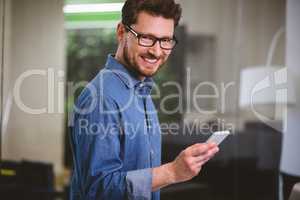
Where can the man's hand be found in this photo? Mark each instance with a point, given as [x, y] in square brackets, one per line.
[189, 162]
[187, 165]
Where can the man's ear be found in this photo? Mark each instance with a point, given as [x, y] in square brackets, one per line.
[120, 32]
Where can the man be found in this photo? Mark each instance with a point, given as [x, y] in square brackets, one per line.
[116, 138]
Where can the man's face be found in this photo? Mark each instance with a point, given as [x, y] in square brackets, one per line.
[145, 61]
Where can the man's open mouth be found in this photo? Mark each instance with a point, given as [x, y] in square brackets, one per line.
[150, 60]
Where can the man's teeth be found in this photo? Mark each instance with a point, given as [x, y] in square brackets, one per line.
[152, 61]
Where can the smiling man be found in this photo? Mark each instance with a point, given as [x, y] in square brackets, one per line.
[149, 44]
[116, 138]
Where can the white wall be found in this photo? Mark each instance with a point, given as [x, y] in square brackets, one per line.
[243, 30]
[201, 16]
[7, 68]
[290, 162]
[37, 42]
[1, 29]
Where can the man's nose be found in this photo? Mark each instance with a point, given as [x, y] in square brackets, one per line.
[155, 49]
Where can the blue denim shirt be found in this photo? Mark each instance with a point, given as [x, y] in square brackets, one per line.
[116, 137]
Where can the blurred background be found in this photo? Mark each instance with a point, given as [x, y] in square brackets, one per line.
[228, 52]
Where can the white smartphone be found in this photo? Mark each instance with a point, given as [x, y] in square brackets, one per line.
[218, 137]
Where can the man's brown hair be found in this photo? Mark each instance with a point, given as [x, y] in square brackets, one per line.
[165, 8]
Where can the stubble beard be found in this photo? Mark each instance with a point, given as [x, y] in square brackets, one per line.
[132, 66]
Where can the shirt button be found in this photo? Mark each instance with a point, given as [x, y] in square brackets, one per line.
[152, 152]
[142, 85]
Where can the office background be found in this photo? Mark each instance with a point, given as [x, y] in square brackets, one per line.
[218, 41]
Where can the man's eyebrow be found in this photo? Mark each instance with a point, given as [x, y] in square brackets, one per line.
[163, 37]
[152, 35]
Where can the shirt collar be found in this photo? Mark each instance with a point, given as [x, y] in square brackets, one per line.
[126, 77]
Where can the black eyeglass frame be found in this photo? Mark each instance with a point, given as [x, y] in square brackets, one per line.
[155, 39]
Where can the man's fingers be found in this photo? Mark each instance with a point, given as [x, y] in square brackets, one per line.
[199, 159]
[198, 149]
[208, 155]
[200, 164]
[201, 148]
[203, 158]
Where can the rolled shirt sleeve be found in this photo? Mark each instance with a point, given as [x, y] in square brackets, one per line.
[139, 183]
[97, 148]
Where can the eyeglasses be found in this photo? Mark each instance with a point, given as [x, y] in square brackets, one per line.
[149, 40]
